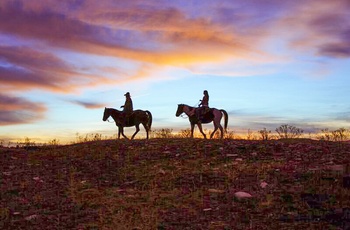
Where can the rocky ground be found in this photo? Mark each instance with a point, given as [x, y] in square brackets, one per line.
[177, 184]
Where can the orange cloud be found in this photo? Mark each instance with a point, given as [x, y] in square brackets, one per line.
[152, 36]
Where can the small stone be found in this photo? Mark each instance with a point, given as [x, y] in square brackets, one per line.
[161, 171]
[38, 179]
[31, 217]
[263, 184]
[242, 195]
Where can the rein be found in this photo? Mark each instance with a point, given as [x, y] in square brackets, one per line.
[184, 116]
[188, 110]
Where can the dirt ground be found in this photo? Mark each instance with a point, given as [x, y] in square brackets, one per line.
[176, 184]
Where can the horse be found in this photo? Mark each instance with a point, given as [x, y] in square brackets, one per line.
[136, 118]
[213, 115]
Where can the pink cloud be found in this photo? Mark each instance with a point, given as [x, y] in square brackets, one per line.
[16, 110]
[25, 68]
[157, 35]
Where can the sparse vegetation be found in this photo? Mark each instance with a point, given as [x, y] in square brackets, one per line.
[230, 134]
[87, 137]
[162, 133]
[340, 134]
[54, 142]
[283, 132]
[184, 133]
[265, 134]
[288, 131]
[250, 135]
[26, 143]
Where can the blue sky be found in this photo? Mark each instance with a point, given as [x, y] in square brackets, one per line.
[266, 62]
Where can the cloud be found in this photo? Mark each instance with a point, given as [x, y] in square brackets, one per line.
[88, 104]
[23, 68]
[153, 36]
[16, 110]
[340, 50]
[159, 36]
[320, 27]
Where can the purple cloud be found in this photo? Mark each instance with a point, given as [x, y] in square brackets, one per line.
[16, 110]
[88, 104]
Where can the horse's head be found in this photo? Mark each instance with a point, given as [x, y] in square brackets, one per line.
[180, 109]
[106, 114]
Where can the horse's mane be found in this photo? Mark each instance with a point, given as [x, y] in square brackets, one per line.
[186, 105]
[116, 110]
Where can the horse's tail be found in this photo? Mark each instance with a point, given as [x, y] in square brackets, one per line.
[226, 118]
[149, 123]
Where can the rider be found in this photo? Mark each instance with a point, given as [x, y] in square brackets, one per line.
[203, 105]
[127, 107]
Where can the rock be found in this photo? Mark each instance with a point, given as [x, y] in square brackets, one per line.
[242, 195]
[31, 217]
[263, 184]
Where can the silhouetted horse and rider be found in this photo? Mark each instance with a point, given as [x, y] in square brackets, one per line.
[196, 115]
[203, 115]
[129, 117]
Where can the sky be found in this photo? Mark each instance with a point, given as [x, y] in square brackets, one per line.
[266, 62]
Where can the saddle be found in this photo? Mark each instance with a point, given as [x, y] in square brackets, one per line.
[127, 116]
[204, 113]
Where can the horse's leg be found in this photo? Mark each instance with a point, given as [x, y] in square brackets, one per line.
[201, 130]
[137, 130]
[118, 132]
[222, 131]
[216, 121]
[192, 129]
[215, 128]
[122, 132]
[145, 125]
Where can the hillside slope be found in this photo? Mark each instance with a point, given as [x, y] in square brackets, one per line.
[176, 184]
